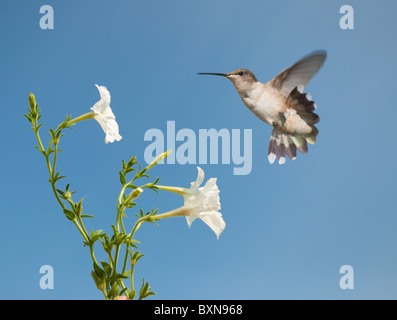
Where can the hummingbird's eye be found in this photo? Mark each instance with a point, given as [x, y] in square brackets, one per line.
[240, 73]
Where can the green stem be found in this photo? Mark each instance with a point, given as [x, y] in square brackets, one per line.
[93, 255]
[121, 222]
[51, 141]
[54, 162]
[116, 258]
[52, 174]
[130, 235]
[76, 223]
[136, 227]
[111, 260]
[54, 190]
[132, 277]
[121, 206]
[51, 171]
[123, 190]
[83, 227]
[45, 154]
[127, 251]
[104, 293]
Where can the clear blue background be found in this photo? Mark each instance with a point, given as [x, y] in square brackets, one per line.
[289, 228]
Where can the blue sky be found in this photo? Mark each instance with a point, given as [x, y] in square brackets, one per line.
[288, 228]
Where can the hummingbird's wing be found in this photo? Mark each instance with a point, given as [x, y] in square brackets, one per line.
[299, 74]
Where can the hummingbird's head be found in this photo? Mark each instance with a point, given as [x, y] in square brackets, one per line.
[242, 79]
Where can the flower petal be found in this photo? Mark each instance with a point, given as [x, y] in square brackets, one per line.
[190, 219]
[107, 120]
[202, 203]
[214, 220]
[211, 192]
[199, 180]
[102, 104]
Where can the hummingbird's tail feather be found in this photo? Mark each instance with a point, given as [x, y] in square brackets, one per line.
[297, 129]
[283, 144]
[275, 150]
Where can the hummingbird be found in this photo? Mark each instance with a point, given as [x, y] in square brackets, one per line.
[282, 104]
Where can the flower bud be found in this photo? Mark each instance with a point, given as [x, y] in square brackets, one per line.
[134, 194]
[100, 283]
[160, 158]
[32, 101]
[67, 195]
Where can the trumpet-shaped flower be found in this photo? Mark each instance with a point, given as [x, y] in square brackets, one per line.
[200, 202]
[102, 113]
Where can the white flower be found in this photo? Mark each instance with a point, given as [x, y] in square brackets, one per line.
[104, 115]
[204, 203]
[200, 202]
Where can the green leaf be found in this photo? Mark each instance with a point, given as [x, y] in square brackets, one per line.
[107, 244]
[86, 216]
[126, 274]
[96, 233]
[100, 283]
[132, 294]
[69, 214]
[39, 126]
[130, 205]
[122, 291]
[78, 207]
[43, 152]
[98, 271]
[135, 257]
[114, 291]
[52, 133]
[145, 286]
[122, 178]
[106, 267]
[28, 117]
[57, 177]
[145, 290]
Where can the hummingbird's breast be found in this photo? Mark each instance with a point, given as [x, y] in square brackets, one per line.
[265, 102]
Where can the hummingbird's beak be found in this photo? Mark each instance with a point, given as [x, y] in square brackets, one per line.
[216, 74]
